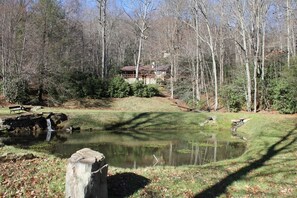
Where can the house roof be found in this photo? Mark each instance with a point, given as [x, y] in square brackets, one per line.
[146, 68]
[128, 68]
[163, 67]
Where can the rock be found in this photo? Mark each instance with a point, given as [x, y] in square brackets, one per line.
[72, 129]
[58, 118]
[235, 125]
[209, 120]
[32, 125]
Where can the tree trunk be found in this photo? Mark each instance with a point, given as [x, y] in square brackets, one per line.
[255, 87]
[138, 56]
[86, 175]
[103, 36]
[43, 61]
[103, 40]
[256, 55]
[214, 68]
[263, 51]
[171, 78]
[3, 62]
[288, 32]
[247, 68]
[197, 61]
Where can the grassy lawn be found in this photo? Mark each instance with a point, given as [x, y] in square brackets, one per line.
[268, 168]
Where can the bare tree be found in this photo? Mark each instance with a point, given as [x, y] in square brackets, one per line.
[171, 29]
[291, 37]
[209, 40]
[102, 4]
[196, 27]
[288, 30]
[139, 12]
[258, 11]
[13, 38]
[240, 9]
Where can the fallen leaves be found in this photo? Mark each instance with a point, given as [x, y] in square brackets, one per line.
[31, 177]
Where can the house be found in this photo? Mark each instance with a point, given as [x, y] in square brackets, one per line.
[149, 74]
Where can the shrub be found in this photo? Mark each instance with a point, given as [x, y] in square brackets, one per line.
[285, 97]
[152, 90]
[119, 88]
[81, 85]
[232, 97]
[17, 90]
[138, 88]
[75, 84]
[94, 87]
[58, 89]
[141, 90]
[284, 92]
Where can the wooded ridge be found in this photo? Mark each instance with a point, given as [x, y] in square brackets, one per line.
[237, 55]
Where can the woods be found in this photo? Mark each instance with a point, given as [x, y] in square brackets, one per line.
[235, 54]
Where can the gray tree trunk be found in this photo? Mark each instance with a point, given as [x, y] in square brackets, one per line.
[247, 69]
[288, 32]
[139, 56]
[103, 37]
[102, 22]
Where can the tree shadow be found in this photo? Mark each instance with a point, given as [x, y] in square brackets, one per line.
[137, 121]
[143, 126]
[105, 103]
[89, 103]
[125, 184]
[220, 188]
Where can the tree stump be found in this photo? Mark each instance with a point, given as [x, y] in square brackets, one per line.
[86, 175]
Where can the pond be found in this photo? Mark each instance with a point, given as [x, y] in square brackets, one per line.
[132, 149]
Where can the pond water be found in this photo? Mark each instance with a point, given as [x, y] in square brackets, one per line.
[132, 149]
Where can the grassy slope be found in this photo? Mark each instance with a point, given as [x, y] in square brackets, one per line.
[267, 169]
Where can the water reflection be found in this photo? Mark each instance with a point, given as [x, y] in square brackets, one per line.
[142, 149]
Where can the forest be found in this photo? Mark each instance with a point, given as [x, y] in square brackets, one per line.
[231, 54]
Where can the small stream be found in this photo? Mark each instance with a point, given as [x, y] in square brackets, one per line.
[132, 149]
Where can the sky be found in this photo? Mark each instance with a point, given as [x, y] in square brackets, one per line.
[118, 3]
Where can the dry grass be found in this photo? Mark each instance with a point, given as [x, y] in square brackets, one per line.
[129, 104]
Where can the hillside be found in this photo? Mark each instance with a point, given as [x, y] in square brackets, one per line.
[129, 104]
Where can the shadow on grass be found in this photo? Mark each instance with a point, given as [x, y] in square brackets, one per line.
[106, 103]
[220, 188]
[125, 184]
[135, 122]
[140, 124]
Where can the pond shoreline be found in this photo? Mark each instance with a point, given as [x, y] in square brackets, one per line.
[271, 145]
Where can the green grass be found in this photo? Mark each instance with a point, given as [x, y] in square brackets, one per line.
[98, 119]
[268, 168]
[129, 104]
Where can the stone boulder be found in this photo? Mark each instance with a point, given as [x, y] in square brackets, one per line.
[32, 125]
[57, 118]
